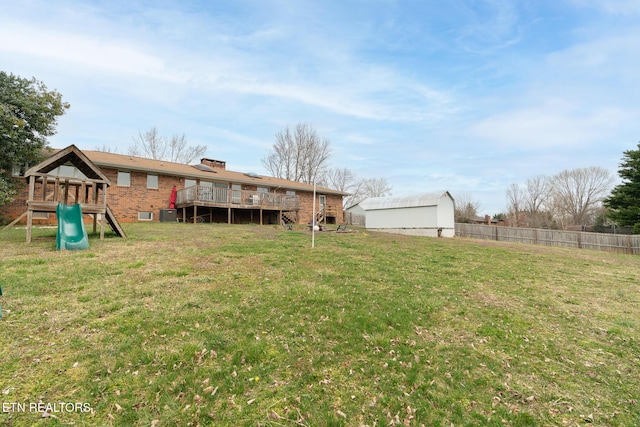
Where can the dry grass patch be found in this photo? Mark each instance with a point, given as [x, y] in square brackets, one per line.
[247, 325]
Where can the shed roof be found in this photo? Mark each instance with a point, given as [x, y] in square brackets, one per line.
[420, 200]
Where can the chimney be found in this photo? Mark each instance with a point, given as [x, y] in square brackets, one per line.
[487, 219]
[216, 164]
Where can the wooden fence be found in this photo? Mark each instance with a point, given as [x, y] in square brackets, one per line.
[623, 243]
[354, 219]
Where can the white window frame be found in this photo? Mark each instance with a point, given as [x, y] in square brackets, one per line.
[142, 214]
[19, 170]
[68, 171]
[157, 183]
[236, 193]
[221, 192]
[121, 175]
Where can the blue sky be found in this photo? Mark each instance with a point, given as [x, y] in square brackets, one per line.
[468, 96]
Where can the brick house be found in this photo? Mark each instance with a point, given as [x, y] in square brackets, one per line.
[141, 190]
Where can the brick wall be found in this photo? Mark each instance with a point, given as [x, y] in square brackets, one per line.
[126, 202]
[306, 206]
[16, 208]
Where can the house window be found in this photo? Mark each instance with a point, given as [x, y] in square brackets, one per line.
[221, 191]
[64, 170]
[145, 216]
[152, 181]
[69, 171]
[124, 178]
[291, 193]
[19, 170]
[236, 193]
[189, 183]
[205, 191]
[263, 190]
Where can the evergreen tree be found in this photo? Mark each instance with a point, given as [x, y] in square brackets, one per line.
[624, 201]
[28, 115]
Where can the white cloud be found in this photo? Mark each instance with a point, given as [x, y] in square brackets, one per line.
[492, 25]
[111, 56]
[613, 7]
[541, 129]
[379, 93]
[613, 54]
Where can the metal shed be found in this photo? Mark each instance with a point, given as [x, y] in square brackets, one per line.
[429, 214]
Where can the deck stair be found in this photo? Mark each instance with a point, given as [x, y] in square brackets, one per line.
[320, 216]
[113, 223]
[290, 217]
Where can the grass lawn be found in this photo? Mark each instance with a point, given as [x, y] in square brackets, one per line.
[211, 324]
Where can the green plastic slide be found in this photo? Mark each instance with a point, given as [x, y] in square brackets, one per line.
[71, 232]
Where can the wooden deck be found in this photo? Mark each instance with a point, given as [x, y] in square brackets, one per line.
[190, 199]
[201, 195]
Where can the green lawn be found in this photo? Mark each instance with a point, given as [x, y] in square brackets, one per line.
[210, 324]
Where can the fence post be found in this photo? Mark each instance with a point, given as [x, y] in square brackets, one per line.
[579, 240]
[496, 233]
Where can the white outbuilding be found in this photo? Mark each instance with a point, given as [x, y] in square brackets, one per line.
[429, 214]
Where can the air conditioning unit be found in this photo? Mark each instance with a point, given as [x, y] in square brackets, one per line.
[168, 215]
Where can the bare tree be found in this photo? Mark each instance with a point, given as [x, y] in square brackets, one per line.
[579, 193]
[299, 155]
[466, 208]
[358, 189]
[356, 194]
[515, 204]
[152, 145]
[537, 193]
[340, 179]
[180, 152]
[149, 144]
[376, 187]
[107, 149]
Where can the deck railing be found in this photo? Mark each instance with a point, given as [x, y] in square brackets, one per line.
[45, 189]
[224, 197]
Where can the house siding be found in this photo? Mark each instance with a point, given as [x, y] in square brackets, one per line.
[421, 215]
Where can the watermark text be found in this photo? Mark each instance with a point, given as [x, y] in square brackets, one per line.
[51, 408]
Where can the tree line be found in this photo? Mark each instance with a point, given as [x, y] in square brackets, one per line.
[575, 197]
[578, 197]
[572, 197]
